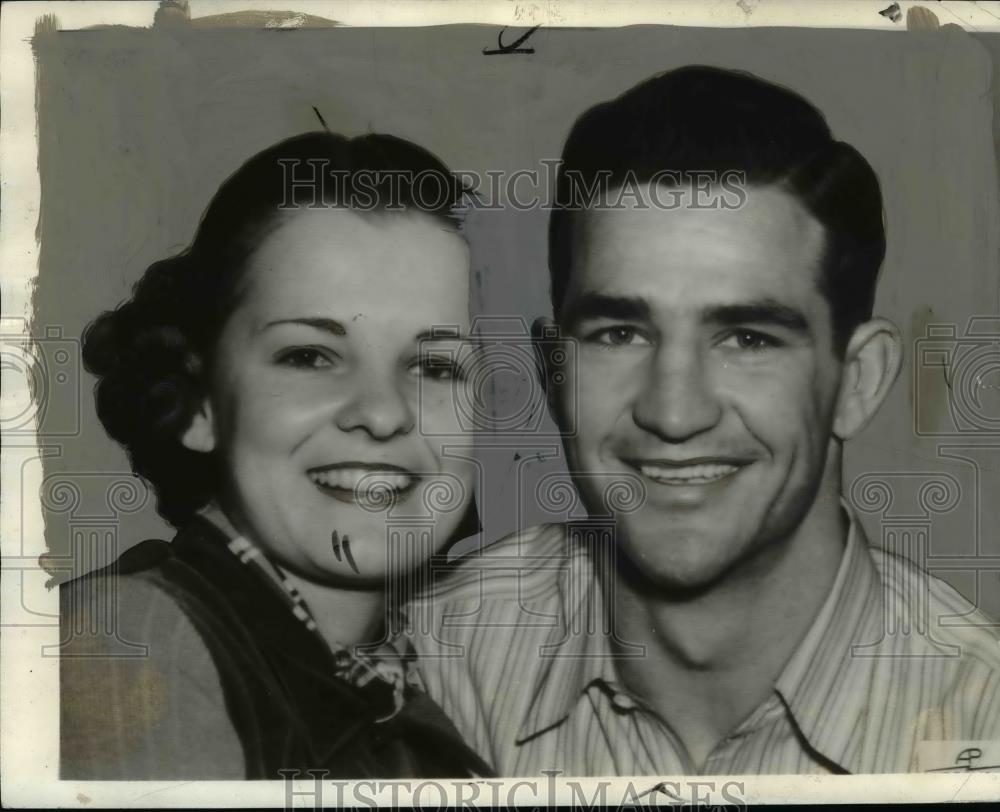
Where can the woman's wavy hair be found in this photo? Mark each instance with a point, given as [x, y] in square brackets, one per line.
[151, 355]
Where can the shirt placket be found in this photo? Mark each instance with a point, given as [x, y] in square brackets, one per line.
[731, 751]
[659, 750]
[648, 746]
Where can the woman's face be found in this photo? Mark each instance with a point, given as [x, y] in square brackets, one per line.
[329, 393]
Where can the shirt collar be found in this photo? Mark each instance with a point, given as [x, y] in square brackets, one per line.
[823, 685]
[570, 659]
[254, 557]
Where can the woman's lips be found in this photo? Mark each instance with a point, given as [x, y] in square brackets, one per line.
[375, 485]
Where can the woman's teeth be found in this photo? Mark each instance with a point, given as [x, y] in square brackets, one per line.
[361, 481]
[701, 474]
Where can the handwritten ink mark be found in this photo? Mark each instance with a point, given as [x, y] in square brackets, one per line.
[661, 787]
[984, 768]
[965, 763]
[335, 540]
[322, 120]
[945, 373]
[968, 756]
[892, 12]
[347, 553]
[513, 47]
[949, 376]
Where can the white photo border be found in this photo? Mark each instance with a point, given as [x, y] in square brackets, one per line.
[29, 682]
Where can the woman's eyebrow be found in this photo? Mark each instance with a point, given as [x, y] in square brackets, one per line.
[445, 332]
[318, 322]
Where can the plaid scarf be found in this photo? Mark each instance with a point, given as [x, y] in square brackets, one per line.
[384, 671]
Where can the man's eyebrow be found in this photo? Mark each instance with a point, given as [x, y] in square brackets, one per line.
[319, 322]
[601, 305]
[765, 311]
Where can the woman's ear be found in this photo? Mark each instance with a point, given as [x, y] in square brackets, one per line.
[872, 362]
[200, 434]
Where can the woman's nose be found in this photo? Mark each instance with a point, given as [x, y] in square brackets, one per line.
[378, 407]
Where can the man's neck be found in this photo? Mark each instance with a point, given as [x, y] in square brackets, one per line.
[712, 659]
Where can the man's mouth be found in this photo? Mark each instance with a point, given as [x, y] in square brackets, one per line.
[687, 472]
[373, 483]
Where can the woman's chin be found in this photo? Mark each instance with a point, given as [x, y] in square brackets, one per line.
[369, 563]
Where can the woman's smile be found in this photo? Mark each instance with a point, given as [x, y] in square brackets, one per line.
[370, 484]
[319, 372]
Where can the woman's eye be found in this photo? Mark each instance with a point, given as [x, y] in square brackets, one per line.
[304, 358]
[438, 368]
[621, 335]
[750, 340]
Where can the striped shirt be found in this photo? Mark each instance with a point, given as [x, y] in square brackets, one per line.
[897, 673]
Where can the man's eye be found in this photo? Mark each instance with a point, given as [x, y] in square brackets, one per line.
[620, 335]
[303, 358]
[437, 368]
[750, 340]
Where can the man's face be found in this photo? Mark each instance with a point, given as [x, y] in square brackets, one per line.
[705, 366]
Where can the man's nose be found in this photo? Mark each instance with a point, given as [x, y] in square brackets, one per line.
[378, 406]
[676, 401]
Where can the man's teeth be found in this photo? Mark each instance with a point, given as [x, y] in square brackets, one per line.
[688, 474]
[352, 478]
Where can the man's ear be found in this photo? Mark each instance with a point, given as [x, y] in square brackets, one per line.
[200, 434]
[872, 362]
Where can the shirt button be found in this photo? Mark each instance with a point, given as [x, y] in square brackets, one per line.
[622, 702]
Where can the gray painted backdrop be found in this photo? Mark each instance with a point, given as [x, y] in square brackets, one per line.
[137, 128]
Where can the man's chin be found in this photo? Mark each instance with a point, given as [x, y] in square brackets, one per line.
[675, 583]
[681, 562]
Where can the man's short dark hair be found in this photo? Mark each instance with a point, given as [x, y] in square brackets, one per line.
[697, 119]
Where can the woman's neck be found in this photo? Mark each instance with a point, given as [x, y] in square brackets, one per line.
[343, 616]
